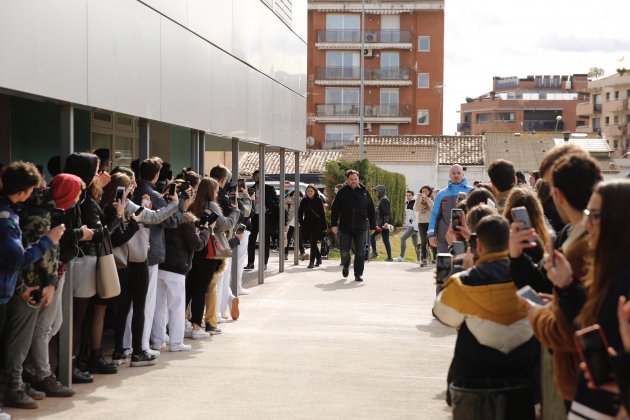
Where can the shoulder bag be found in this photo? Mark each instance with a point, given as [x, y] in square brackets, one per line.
[107, 282]
[218, 246]
[139, 245]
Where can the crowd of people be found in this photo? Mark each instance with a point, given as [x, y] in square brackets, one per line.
[172, 239]
[564, 237]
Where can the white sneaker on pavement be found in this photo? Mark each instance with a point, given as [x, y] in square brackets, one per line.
[153, 352]
[181, 347]
[398, 259]
[244, 292]
[199, 335]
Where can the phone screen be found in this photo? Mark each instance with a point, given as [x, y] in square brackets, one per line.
[120, 193]
[472, 242]
[443, 266]
[241, 184]
[56, 217]
[138, 211]
[519, 214]
[172, 189]
[456, 218]
[530, 294]
[595, 354]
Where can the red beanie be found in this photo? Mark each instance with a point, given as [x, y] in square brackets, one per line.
[65, 188]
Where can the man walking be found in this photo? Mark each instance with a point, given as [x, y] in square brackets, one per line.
[383, 217]
[412, 229]
[352, 214]
[444, 201]
[271, 209]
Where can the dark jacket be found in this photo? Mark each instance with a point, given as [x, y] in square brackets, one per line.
[181, 243]
[34, 222]
[272, 208]
[312, 216]
[383, 211]
[157, 250]
[494, 339]
[353, 209]
[124, 231]
[13, 256]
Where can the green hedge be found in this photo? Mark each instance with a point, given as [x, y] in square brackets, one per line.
[370, 175]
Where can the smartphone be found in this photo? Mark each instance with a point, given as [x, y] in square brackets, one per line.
[472, 243]
[519, 214]
[461, 196]
[240, 184]
[233, 199]
[526, 292]
[138, 211]
[459, 247]
[443, 266]
[35, 298]
[172, 189]
[56, 217]
[120, 193]
[593, 348]
[457, 215]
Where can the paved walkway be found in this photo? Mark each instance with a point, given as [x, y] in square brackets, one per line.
[309, 345]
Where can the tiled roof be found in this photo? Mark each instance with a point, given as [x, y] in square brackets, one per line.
[465, 150]
[593, 145]
[393, 153]
[311, 162]
[526, 150]
[608, 165]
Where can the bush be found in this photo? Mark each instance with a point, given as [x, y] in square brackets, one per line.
[370, 175]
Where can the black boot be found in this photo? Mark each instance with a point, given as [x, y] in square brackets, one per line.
[98, 364]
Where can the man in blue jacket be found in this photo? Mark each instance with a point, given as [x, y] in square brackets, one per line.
[444, 201]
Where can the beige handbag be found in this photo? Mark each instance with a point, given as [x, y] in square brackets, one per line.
[107, 282]
[139, 245]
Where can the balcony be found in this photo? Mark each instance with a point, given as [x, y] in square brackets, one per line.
[351, 76]
[373, 113]
[584, 109]
[351, 39]
[615, 106]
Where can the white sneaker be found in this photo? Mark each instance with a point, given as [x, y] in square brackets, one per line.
[181, 347]
[199, 335]
[153, 352]
[188, 329]
[244, 292]
[398, 259]
[158, 347]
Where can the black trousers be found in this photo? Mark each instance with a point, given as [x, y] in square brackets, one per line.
[289, 236]
[315, 253]
[197, 282]
[134, 283]
[251, 246]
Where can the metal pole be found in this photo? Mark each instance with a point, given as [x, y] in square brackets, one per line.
[144, 138]
[296, 204]
[65, 333]
[281, 221]
[235, 176]
[261, 214]
[201, 144]
[362, 88]
[194, 150]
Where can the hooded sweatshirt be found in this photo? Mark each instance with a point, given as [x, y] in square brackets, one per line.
[383, 212]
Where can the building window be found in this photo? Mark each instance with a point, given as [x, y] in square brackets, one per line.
[423, 117]
[340, 135]
[388, 130]
[342, 65]
[483, 118]
[596, 124]
[423, 80]
[424, 43]
[616, 119]
[342, 101]
[608, 96]
[506, 116]
[389, 103]
[616, 94]
[342, 28]
[607, 120]
[390, 65]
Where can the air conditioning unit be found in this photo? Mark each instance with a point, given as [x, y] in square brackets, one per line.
[369, 111]
[367, 126]
[370, 37]
[367, 52]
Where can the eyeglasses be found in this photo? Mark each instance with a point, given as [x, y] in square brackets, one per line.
[592, 216]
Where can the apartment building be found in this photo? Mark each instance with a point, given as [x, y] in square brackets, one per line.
[403, 73]
[607, 112]
[533, 103]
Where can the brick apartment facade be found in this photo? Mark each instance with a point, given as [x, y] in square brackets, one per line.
[533, 103]
[403, 70]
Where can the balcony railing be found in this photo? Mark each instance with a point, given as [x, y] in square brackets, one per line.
[354, 73]
[352, 110]
[371, 37]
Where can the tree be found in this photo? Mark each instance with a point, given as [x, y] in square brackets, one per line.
[595, 72]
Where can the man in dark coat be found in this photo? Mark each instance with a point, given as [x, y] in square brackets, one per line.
[271, 208]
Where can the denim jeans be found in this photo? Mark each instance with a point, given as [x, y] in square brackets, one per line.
[388, 247]
[359, 237]
[403, 242]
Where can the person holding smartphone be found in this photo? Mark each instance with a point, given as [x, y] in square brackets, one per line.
[423, 208]
[608, 235]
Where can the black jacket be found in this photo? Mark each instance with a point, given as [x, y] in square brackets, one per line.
[181, 243]
[312, 216]
[353, 209]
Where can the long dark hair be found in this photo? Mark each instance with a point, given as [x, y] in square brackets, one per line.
[315, 192]
[612, 250]
[526, 198]
[118, 179]
[207, 191]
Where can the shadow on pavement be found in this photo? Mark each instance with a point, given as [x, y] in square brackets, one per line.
[342, 284]
[437, 329]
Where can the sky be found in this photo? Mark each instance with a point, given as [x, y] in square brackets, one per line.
[487, 38]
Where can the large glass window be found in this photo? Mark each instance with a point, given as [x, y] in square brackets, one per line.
[389, 102]
[424, 43]
[116, 132]
[342, 22]
[506, 116]
[339, 135]
[423, 117]
[483, 118]
[390, 63]
[342, 64]
[342, 101]
[388, 130]
[423, 80]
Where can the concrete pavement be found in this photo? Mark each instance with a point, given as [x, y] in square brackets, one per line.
[309, 345]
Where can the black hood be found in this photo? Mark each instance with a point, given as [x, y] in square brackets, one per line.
[82, 165]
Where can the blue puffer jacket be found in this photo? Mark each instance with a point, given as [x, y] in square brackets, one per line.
[444, 201]
[13, 257]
